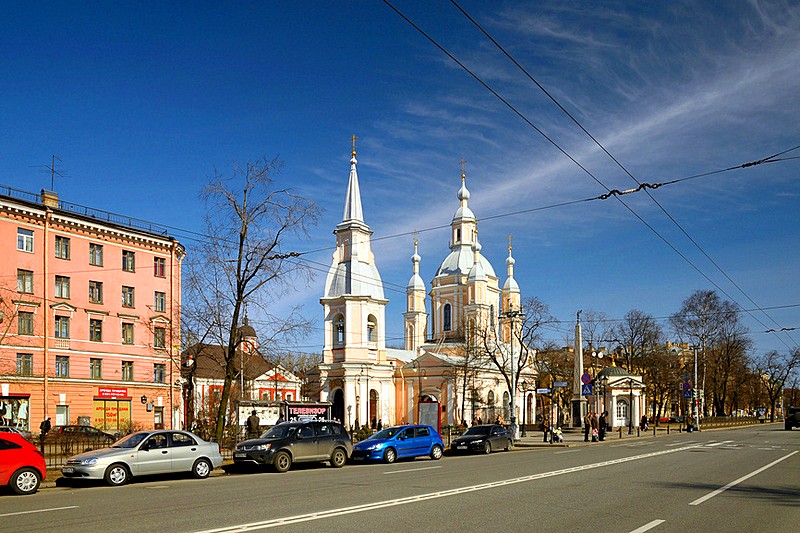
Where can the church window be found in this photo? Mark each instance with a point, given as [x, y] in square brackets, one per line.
[448, 320]
[338, 330]
[458, 235]
[491, 315]
[372, 329]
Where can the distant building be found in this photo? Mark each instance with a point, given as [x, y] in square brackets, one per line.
[89, 316]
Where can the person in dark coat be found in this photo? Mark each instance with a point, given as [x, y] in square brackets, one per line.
[45, 428]
[253, 424]
[601, 433]
[587, 426]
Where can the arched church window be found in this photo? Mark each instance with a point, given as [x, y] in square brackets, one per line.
[372, 329]
[447, 317]
[458, 235]
[490, 398]
[338, 330]
[491, 315]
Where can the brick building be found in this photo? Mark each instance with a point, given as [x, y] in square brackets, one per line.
[89, 316]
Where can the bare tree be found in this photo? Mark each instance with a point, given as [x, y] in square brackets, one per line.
[639, 335]
[249, 220]
[774, 369]
[470, 362]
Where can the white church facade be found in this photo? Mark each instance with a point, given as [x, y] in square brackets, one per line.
[430, 380]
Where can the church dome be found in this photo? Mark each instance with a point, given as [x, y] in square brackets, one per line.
[460, 261]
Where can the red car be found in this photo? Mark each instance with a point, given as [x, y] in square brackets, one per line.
[22, 465]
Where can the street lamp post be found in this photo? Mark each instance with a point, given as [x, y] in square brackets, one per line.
[604, 385]
[512, 314]
[524, 405]
[365, 372]
[630, 406]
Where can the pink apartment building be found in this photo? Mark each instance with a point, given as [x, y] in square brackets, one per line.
[89, 317]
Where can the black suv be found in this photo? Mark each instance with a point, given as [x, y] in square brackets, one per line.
[792, 418]
[297, 442]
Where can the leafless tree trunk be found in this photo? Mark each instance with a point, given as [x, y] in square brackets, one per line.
[249, 221]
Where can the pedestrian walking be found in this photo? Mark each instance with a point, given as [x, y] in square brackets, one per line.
[587, 426]
[594, 423]
[603, 426]
[45, 428]
[253, 424]
[545, 429]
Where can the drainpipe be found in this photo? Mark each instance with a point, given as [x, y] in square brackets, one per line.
[45, 307]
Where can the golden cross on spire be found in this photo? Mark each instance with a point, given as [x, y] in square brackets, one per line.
[416, 238]
[462, 164]
[510, 239]
[353, 139]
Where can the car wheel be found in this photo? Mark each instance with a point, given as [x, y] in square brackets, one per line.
[201, 468]
[509, 445]
[25, 481]
[338, 458]
[282, 462]
[116, 475]
[487, 447]
[436, 452]
[389, 456]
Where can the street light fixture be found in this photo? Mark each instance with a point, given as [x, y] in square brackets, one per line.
[524, 405]
[512, 314]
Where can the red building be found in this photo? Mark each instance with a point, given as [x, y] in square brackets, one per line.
[89, 316]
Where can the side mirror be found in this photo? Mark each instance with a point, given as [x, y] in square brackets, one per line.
[145, 447]
[299, 436]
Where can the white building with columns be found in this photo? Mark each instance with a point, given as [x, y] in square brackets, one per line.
[433, 379]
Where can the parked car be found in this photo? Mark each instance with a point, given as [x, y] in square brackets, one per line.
[483, 439]
[792, 419]
[87, 433]
[144, 453]
[22, 465]
[12, 429]
[297, 442]
[400, 442]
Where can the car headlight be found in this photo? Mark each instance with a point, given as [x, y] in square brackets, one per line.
[89, 462]
[261, 447]
[373, 447]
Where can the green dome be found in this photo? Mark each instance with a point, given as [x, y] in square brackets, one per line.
[612, 371]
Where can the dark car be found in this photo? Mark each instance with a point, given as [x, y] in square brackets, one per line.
[400, 442]
[21, 464]
[297, 442]
[484, 439]
[77, 438]
[792, 419]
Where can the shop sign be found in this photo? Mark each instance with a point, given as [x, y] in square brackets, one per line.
[112, 393]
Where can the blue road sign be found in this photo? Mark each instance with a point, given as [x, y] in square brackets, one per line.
[544, 390]
[558, 384]
[687, 394]
[586, 378]
[586, 389]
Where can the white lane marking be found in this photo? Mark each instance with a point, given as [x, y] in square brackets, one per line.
[40, 510]
[682, 443]
[276, 522]
[712, 444]
[566, 451]
[411, 470]
[649, 525]
[710, 495]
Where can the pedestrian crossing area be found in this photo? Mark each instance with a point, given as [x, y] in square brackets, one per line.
[700, 445]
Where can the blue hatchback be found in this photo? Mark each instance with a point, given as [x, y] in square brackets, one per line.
[400, 442]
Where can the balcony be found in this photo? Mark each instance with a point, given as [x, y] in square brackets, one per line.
[62, 344]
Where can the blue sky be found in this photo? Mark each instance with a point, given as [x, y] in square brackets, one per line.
[143, 102]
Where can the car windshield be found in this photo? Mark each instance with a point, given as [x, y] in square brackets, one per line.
[130, 441]
[387, 433]
[478, 430]
[280, 431]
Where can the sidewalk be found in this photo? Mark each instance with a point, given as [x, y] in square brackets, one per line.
[574, 437]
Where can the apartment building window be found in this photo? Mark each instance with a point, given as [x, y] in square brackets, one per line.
[127, 371]
[159, 267]
[160, 302]
[25, 281]
[62, 287]
[127, 296]
[62, 247]
[96, 292]
[62, 366]
[25, 240]
[25, 323]
[95, 368]
[24, 364]
[96, 254]
[62, 327]
[128, 261]
[159, 337]
[127, 333]
[95, 330]
[159, 373]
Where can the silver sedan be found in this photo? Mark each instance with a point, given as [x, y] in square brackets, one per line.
[144, 453]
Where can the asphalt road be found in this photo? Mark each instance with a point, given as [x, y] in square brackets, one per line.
[745, 479]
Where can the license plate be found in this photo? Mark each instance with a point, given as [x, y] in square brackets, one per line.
[67, 470]
[358, 458]
[461, 447]
[240, 455]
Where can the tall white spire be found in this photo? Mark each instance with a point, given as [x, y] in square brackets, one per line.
[352, 203]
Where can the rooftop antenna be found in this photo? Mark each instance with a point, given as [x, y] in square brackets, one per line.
[52, 170]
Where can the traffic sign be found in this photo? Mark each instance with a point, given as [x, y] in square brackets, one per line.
[687, 394]
[586, 378]
[687, 385]
[558, 384]
[586, 389]
[544, 390]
